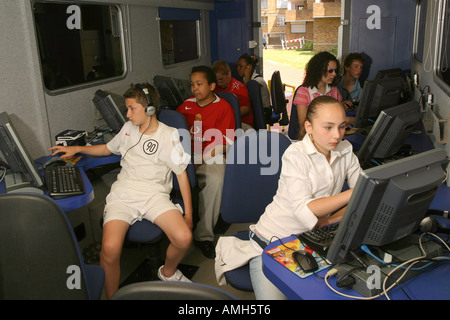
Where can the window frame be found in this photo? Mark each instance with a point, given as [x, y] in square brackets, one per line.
[117, 25]
[444, 8]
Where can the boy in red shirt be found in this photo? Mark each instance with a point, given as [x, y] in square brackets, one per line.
[225, 82]
[211, 124]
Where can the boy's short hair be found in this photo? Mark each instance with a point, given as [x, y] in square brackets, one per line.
[354, 56]
[210, 75]
[137, 93]
[221, 67]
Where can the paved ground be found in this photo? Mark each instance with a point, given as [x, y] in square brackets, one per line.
[289, 76]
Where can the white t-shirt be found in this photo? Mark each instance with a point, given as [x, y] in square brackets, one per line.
[147, 160]
[305, 176]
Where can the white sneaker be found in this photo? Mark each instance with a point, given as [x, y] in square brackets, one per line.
[177, 276]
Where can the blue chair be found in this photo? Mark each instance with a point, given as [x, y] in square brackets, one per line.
[39, 254]
[294, 128]
[279, 101]
[250, 184]
[233, 100]
[254, 91]
[144, 231]
[170, 290]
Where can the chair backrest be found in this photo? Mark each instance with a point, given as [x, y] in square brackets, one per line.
[254, 91]
[277, 93]
[170, 290]
[175, 119]
[39, 254]
[233, 100]
[294, 127]
[251, 175]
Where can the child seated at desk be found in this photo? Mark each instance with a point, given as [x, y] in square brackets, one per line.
[143, 186]
[312, 175]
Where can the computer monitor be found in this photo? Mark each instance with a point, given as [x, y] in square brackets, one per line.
[376, 96]
[17, 157]
[112, 108]
[172, 92]
[388, 203]
[388, 73]
[389, 132]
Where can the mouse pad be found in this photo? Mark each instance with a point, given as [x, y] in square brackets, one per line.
[283, 255]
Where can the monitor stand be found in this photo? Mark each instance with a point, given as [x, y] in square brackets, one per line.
[367, 282]
[16, 182]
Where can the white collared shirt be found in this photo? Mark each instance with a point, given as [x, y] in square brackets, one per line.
[306, 175]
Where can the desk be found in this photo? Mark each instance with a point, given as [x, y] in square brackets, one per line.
[431, 284]
[85, 163]
[419, 140]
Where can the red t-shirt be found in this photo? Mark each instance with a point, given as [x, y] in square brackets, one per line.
[208, 125]
[241, 92]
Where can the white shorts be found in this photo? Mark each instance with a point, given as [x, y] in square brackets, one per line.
[132, 208]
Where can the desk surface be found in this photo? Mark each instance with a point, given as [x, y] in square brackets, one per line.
[431, 284]
[86, 163]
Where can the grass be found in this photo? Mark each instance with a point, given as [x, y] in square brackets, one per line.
[289, 58]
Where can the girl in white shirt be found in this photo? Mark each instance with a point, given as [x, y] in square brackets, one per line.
[309, 193]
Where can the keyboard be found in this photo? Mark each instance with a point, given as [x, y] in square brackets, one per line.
[319, 239]
[63, 181]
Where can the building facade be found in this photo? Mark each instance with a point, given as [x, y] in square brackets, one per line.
[314, 20]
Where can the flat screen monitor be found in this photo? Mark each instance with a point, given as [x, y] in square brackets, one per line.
[17, 156]
[388, 73]
[376, 96]
[172, 92]
[112, 108]
[388, 203]
[389, 133]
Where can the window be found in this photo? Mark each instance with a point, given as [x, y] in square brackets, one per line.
[179, 30]
[264, 21]
[298, 28]
[281, 20]
[78, 43]
[421, 17]
[443, 71]
[282, 4]
[264, 4]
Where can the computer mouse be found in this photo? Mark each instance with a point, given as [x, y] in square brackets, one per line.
[54, 162]
[305, 260]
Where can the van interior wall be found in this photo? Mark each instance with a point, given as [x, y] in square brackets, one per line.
[37, 115]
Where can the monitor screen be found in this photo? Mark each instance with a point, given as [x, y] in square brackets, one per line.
[388, 73]
[388, 203]
[172, 92]
[112, 108]
[16, 155]
[376, 96]
[389, 132]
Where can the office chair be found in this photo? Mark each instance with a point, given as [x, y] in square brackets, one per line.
[251, 180]
[146, 232]
[233, 100]
[279, 101]
[294, 128]
[39, 254]
[254, 90]
[170, 290]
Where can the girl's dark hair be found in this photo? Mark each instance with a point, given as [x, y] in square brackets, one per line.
[315, 103]
[253, 61]
[209, 73]
[317, 67]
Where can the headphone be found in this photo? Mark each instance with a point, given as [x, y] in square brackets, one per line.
[430, 224]
[149, 109]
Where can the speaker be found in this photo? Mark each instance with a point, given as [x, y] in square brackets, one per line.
[149, 109]
[430, 224]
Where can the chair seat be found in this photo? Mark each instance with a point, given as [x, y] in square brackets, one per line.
[144, 231]
[240, 278]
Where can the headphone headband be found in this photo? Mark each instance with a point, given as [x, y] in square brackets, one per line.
[149, 109]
